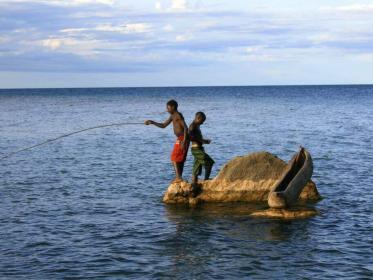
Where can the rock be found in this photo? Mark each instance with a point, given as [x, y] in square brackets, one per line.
[285, 213]
[246, 178]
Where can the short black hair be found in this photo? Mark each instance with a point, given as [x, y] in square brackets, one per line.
[201, 114]
[172, 103]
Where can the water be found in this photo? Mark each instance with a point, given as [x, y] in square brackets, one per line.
[89, 206]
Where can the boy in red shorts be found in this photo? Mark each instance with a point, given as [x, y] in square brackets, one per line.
[179, 153]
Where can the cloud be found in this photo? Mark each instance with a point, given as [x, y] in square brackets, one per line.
[85, 48]
[63, 2]
[126, 28]
[258, 53]
[179, 4]
[44, 62]
[173, 33]
[356, 8]
[184, 37]
[365, 57]
[53, 44]
[168, 28]
[158, 6]
[4, 39]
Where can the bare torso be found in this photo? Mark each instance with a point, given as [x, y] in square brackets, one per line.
[178, 123]
[195, 135]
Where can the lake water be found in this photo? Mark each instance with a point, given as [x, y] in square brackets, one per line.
[89, 206]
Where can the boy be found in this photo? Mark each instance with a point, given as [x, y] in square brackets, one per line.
[179, 153]
[200, 157]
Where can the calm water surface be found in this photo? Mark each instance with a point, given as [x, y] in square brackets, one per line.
[89, 206]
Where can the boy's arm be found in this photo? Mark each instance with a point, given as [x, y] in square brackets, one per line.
[206, 141]
[190, 129]
[186, 134]
[160, 125]
[180, 118]
[203, 140]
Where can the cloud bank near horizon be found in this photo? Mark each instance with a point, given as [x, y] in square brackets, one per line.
[190, 41]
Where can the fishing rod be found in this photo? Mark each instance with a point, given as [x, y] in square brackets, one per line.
[68, 134]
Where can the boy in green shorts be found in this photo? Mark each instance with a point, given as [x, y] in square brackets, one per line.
[198, 152]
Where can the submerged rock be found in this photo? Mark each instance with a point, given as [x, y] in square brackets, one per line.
[285, 213]
[247, 178]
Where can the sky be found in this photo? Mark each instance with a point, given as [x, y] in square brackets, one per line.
[118, 43]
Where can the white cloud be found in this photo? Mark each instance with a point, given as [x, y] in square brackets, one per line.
[184, 37]
[179, 4]
[258, 53]
[322, 38]
[85, 2]
[53, 44]
[158, 6]
[125, 28]
[64, 2]
[4, 39]
[168, 28]
[92, 14]
[251, 50]
[122, 28]
[365, 57]
[356, 8]
[71, 45]
[74, 30]
[346, 38]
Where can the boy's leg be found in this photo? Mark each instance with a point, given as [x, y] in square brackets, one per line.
[177, 171]
[208, 169]
[209, 162]
[180, 166]
[197, 167]
[197, 170]
[178, 157]
[194, 179]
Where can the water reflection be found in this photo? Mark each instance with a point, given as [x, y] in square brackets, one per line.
[206, 234]
[233, 221]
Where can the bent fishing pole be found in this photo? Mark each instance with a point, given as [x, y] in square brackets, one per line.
[68, 134]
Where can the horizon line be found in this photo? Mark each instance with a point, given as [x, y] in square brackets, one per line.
[118, 87]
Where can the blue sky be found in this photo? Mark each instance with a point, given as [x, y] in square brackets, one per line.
[92, 43]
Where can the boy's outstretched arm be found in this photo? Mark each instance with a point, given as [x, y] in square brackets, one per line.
[160, 125]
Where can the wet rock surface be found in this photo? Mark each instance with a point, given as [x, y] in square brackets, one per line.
[246, 178]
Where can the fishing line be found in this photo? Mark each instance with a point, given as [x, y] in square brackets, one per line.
[69, 134]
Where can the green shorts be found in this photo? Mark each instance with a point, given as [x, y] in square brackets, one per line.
[201, 159]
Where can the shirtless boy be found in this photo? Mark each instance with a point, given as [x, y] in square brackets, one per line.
[179, 153]
[200, 157]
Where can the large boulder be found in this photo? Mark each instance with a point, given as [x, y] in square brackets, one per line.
[246, 178]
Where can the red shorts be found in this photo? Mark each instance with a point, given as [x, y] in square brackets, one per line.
[178, 154]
